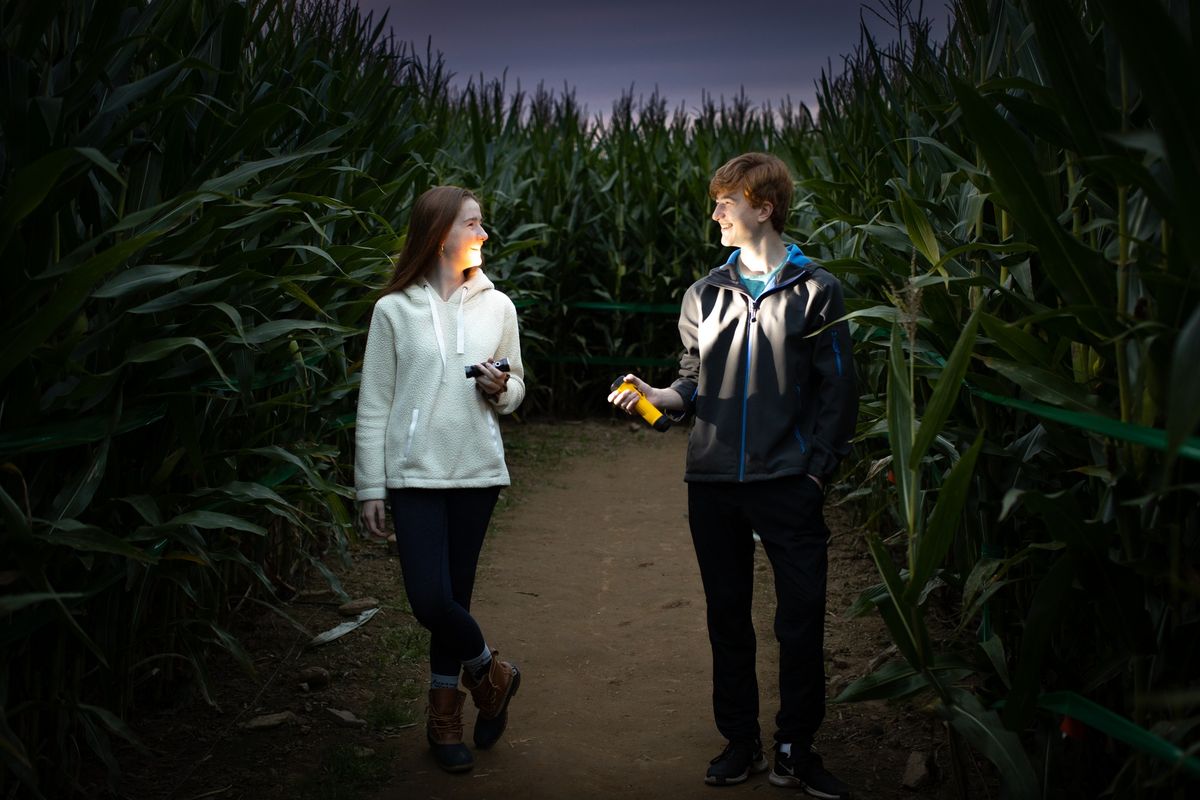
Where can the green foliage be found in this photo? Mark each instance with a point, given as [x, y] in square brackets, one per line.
[1010, 192]
[198, 200]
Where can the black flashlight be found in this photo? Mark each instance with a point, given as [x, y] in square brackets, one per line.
[473, 370]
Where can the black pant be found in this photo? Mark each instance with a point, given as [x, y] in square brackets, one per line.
[439, 533]
[786, 513]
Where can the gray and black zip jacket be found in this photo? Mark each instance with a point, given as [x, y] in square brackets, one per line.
[769, 399]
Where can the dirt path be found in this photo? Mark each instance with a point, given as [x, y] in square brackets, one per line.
[589, 582]
[591, 585]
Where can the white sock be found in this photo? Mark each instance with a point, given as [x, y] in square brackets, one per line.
[474, 665]
[443, 681]
[785, 748]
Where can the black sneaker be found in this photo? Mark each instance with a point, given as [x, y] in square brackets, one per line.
[739, 758]
[803, 770]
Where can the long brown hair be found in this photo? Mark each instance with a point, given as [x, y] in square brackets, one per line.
[433, 214]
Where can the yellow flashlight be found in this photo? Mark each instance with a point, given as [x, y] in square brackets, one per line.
[654, 418]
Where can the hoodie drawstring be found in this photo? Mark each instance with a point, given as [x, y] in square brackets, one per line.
[437, 326]
[461, 300]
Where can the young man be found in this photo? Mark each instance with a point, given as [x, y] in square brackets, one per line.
[770, 383]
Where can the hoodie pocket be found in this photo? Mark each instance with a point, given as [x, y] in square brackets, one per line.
[494, 433]
[412, 434]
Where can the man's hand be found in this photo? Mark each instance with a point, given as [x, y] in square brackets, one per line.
[626, 399]
[374, 518]
[662, 399]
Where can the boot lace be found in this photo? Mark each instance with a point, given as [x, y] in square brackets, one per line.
[442, 725]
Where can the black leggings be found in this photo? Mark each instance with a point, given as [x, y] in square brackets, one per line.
[439, 533]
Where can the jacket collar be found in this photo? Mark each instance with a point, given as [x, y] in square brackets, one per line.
[797, 265]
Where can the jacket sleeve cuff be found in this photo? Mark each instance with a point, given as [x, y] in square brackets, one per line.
[687, 393]
[823, 464]
[373, 493]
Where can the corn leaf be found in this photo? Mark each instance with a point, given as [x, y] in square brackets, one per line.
[946, 389]
[941, 530]
[983, 729]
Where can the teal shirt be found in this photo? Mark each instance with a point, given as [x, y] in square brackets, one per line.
[755, 286]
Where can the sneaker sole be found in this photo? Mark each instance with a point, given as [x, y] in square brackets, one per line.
[811, 792]
[792, 782]
[754, 768]
[788, 781]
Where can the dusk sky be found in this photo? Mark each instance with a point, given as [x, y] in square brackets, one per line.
[772, 48]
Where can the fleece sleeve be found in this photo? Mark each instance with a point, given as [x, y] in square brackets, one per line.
[375, 392]
[510, 348]
[837, 389]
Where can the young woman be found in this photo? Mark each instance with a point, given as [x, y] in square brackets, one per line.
[428, 444]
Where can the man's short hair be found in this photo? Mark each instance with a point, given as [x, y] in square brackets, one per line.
[761, 178]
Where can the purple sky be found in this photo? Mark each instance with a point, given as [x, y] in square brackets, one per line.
[772, 48]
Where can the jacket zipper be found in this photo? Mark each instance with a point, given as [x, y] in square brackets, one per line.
[746, 384]
[754, 304]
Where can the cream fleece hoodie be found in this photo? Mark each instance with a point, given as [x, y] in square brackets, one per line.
[421, 423]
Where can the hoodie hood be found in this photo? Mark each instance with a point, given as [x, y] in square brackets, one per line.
[422, 291]
[476, 282]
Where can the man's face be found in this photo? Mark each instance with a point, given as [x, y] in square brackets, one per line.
[740, 222]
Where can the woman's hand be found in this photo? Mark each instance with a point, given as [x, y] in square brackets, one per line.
[491, 381]
[374, 518]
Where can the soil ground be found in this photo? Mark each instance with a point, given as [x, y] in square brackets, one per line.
[589, 583]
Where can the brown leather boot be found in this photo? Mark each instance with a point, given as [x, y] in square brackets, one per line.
[491, 694]
[444, 730]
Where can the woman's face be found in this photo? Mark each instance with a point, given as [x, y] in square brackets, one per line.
[462, 248]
